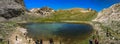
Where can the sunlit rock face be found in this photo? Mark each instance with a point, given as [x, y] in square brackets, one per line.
[44, 11]
[109, 27]
[110, 17]
[109, 14]
[11, 8]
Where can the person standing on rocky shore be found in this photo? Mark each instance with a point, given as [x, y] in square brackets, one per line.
[96, 41]
[51, 41]
[41, 41]
[16, 37]
[90, 41]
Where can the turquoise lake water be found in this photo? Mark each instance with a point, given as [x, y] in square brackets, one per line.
[57, 31]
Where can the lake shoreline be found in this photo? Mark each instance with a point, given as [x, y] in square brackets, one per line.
[72, 22]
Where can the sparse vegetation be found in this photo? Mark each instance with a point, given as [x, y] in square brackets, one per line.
[68, 15]
[6, 29]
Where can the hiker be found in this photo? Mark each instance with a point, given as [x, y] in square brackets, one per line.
[60, 42]
[29, 40]
[51, 41]
[37, 42]
[90, 41]
[1, 39]
[16, 37]
[41, 41]
[107, 34]
[96, 41]
[8, 42]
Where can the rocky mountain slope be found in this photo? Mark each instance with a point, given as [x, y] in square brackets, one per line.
[11, 8]
[110, 17]
[109, 25]
[44, 11]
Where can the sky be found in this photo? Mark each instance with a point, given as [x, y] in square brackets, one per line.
[97, 5]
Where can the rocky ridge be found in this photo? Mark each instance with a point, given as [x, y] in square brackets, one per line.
[110, 17]
[11, 10]
[44, 11]
[109, 25]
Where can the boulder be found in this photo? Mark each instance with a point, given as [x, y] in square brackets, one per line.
[11, 8]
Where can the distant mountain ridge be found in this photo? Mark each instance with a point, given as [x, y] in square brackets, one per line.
[44, 11]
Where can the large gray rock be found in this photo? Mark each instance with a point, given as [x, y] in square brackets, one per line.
[11, 8]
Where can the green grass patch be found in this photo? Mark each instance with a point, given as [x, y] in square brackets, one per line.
[67, 15]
